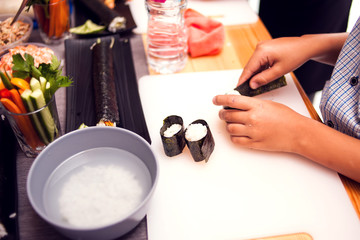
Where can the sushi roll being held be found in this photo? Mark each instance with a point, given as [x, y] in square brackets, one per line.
[245, 89]
[199, 140]
[173, 135]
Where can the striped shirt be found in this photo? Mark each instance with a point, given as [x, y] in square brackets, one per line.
[340, 101]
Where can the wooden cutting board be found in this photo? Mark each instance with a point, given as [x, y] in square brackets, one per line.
[239, 193]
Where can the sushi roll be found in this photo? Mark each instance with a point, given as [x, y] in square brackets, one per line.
[199, 140]
[172, 135]
[107, 16]
[103, 76]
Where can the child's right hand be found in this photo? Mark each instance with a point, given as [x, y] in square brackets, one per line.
[274, 58]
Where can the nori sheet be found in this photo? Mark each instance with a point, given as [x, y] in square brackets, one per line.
[202, 149]
[246, 90]
[173, 145]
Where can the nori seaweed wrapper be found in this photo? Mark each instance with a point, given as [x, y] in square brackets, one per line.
[106, 107]
[173, 145]
[202, 149]
[246, 90]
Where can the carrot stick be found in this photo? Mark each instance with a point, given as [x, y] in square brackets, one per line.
[52, 21]
[1, 85]
[17, 100]
[65, 16]
[59, 20]
[23, 122]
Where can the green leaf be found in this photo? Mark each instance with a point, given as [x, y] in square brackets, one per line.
[19, 63]
[35, 72]
[55, 63]
[29, 59]
[24, 68]
[21, 68]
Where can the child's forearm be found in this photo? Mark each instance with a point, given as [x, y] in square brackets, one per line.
[325, 48]
[329, 148]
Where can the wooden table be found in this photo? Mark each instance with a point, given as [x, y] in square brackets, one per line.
[240, 43]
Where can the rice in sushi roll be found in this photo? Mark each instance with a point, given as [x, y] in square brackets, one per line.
[199, 140]
[172, 135]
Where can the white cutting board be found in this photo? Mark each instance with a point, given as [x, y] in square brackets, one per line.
[240, 193]
[229, 12]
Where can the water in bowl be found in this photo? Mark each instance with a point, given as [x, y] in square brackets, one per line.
[96, 200]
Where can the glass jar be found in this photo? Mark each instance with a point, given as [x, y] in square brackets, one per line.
[166, 35]
[53, 20]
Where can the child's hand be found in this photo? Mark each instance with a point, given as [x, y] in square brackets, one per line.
[274, 58]
[260, 124]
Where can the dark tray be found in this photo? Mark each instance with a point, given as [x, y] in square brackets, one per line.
[80, 103]
[82, 13]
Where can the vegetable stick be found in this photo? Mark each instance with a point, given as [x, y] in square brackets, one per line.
[17, 100]
[62, 18]
[52, 20]
[65, 16]
[5, 80]
[20, 83]
[1, 85]
[23, 122]
[57, 17]
[5, 93]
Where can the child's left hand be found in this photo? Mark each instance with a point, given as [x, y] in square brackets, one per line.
[260, 124]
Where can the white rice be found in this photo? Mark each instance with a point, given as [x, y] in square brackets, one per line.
[99, 195]
[172, 130]
[195, 132]
[233, 92]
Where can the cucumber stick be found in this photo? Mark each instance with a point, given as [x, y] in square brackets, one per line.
[34, 84]
[45, 117]
[47, 93]
[42, 120]
[25, 96]
[6, 81]
[43, 82]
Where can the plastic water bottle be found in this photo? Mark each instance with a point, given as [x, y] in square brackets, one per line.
[166, 35]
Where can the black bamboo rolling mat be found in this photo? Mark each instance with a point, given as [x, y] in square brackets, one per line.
[80, 103]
